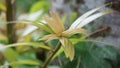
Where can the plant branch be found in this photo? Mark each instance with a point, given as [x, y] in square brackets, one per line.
[51, 55]
[100, 32]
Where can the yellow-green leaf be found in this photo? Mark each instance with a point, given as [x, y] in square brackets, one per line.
[71, 32]
[51, 23]
[58, 21]
[55, 23]
[28, 62]
[35, 44]
[49, 37]
[68, 48]
[23, 62]
[10, 54]
[43, 27]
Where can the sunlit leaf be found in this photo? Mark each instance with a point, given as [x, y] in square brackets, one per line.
[43, 27]
[57, 20]
[34, 16]
[55, 23]
[49, 37]
[29, 30]
[68, 48]
[23, 62]
[71, 32]
[51, 23]
[87, 14]
[93, 17]
[35, 44]
[28, 62]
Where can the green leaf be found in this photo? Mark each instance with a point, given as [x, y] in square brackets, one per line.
[55, 23]
[43, 27]
[40, 5]
[23, 62]
[28, 62]
[64, 19]
[106, 52]
[10, 54]
[91, 61]
[73, 17]
[35, 44]
[95, 57]
[70, 32]
[49, 37]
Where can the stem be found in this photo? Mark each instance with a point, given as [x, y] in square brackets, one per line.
[97, 32]
[51, 55]
[10, 15]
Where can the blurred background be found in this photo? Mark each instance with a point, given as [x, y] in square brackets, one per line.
[68, 11]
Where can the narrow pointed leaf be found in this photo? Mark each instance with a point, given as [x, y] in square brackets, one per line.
[57, 21]
[71, 32]
[29, 30]
[23, 62]
[26, 44]
[49, 37]
[87, 14]
[93, 17]
[28, 62]
[53, 25]
[43, 27]
[68, 48]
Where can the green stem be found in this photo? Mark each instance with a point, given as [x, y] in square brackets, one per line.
[10, 16]
[51, 55]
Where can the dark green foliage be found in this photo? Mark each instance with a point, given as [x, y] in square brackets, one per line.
[92, 57]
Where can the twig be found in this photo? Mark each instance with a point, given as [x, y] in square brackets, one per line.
[51, 55]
